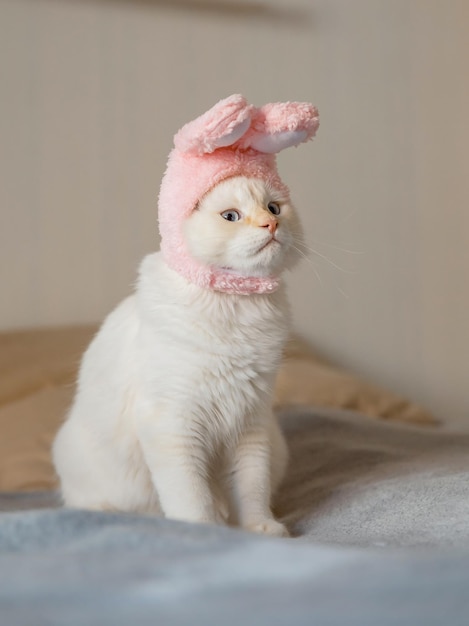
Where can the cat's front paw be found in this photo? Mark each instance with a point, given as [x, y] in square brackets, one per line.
[269, 527]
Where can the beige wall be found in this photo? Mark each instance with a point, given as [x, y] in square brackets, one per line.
[93, 90]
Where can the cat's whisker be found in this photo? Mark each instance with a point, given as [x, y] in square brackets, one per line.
[338, 248]
[327, 259]
[342, 292]
[310, 261]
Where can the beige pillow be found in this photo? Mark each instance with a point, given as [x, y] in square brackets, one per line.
[37, 373]
[304, 379]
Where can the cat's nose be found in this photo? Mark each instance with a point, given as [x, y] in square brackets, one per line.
[271, 224]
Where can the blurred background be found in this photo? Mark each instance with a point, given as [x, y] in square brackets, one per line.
[92, 91]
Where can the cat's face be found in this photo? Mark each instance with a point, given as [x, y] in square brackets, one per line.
[244, 226]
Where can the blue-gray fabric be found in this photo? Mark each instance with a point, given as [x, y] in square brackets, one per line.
[381, 515]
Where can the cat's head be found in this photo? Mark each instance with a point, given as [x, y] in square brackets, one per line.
[207, 175]
[244, 226]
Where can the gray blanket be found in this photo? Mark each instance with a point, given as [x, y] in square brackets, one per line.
[381, 519]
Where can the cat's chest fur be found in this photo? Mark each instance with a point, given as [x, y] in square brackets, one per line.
[212, 355]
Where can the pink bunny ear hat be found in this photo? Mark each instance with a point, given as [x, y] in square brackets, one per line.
[233, 138]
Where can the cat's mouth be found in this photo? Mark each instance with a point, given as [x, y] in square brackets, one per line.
[267, 243]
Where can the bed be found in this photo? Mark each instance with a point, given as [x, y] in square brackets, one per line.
[378, 510]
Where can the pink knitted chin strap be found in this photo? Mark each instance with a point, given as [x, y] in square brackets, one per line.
[242, 285]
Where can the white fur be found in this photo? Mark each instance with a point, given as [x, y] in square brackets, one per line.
[173, 408]
[235, 245]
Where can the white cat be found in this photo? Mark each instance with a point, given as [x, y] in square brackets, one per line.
[173, 407]
[173, 413]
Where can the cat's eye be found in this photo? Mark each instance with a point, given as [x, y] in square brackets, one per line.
[231, 216]
[274, 208]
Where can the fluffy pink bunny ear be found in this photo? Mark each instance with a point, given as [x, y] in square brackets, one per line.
[223, 125]
[280, 125]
